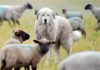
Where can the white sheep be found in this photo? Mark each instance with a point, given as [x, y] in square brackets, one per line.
[89, 60]
[70, 14]
[95, 11]
[13, 13]
[18, 55]
[77, 24]
[55, 28]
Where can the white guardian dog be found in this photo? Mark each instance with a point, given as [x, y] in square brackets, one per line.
[55, 28]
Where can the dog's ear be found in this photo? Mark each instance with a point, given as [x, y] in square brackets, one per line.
[54, 15]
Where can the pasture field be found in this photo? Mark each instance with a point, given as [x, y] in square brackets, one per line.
[91, 42]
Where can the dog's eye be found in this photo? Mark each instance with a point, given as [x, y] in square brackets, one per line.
[47, 15]
[42, 14]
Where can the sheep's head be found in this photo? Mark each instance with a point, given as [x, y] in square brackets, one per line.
[88, 6]
[44, 44]
[22, 34]
[29, 6]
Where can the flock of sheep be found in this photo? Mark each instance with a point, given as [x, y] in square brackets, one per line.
[52, 31]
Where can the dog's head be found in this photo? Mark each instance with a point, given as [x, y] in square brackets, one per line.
[45, 15]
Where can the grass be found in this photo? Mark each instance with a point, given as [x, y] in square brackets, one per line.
[91, 42]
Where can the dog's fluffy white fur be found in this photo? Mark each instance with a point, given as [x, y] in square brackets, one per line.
[56, 28]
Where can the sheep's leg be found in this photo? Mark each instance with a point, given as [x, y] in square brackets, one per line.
[26, 67]
[3, 65]
[98, 21]
[17, 21]
[16, 68]
[48, 56]
[9, 22]
[14, 23]
[34, 67]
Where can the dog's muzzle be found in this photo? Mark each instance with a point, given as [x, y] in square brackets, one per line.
[45, 21]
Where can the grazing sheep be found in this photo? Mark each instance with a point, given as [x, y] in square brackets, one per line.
[77, 24]
[81, 61]
[95, 11]
[56, 28]
[69, 14]
[18, 55]
[13, 13]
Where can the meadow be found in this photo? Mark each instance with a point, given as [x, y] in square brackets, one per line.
[91, 42]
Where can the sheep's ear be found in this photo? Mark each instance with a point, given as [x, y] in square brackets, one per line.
[63, 11]
[52, 42]
[36, 41]
[36, 11]
[17, 34]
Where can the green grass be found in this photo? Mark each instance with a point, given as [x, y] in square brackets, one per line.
[91, 42]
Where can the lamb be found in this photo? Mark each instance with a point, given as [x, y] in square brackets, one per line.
[18, 55]
[13, 13]
[70, 14]
[89, 60]
[95, 11]
[56, 28]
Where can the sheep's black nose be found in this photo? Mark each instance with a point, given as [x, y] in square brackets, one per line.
[45, 20]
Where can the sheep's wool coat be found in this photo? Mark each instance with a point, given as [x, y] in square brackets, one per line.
[21, 53]
[81, 61]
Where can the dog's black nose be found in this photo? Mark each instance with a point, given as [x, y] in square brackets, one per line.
[45, 20]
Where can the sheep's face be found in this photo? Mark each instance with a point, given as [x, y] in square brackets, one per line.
[29, 6]
[45, 16]
[88, 6]
[22, 35]
[44, 44]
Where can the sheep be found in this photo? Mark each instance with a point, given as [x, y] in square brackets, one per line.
[77, 24]
[18, 37]
[18, 55]
[70, 14]
[95, 11]
[13, 13]
[89, 60]
[56, 28]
